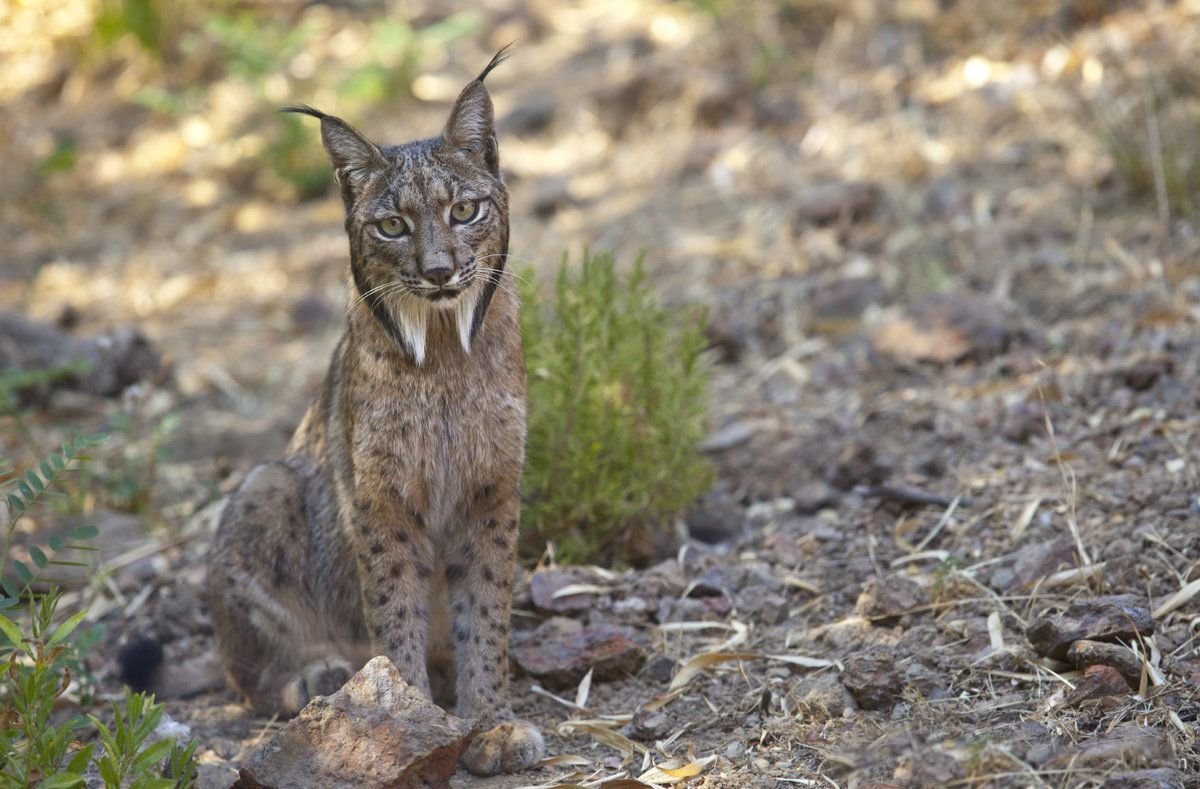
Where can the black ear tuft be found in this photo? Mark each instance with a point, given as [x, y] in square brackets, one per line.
[502, 55]
[353, 156]
[470, 131]
[304, 109]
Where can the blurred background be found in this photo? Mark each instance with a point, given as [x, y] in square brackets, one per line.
[803, 168]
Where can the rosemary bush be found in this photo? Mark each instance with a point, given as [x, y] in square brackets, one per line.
[616, 412]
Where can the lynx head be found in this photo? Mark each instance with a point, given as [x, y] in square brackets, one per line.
[427, 220]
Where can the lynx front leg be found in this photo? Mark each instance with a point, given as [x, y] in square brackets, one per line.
[395, 566]
[479, 577]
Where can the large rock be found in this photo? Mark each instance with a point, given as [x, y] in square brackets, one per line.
[1102, 619]
[376, 731]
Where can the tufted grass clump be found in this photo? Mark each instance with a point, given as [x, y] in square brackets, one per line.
[616, 413]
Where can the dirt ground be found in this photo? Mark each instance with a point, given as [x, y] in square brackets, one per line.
[950, 253]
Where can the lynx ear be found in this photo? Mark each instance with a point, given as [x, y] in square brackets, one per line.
[470, 131]
[353, 156]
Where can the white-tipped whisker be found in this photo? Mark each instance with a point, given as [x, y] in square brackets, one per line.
[385, 288]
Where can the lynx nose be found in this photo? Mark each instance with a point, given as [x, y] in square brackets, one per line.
[438, 275]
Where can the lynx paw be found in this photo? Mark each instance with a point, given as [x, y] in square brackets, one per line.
[508, 748]
[319, 678]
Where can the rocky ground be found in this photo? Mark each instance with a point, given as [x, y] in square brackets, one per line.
[950, 255]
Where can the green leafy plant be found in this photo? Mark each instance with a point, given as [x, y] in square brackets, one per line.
[40, 745]
[616, 391]
[130, 476]
[20, 494]
[36, 749]
[128, 761]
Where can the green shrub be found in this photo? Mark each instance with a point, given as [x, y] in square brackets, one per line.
[40, 745]
[617, 409]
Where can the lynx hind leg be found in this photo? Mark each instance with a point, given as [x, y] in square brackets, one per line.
[508, 748]
[278, 648]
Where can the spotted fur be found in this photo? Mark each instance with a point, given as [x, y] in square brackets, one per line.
[390, 526]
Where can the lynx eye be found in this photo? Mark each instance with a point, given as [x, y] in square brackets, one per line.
[464, 211]
[392, 227]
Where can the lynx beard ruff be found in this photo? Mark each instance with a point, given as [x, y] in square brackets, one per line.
[414, 315]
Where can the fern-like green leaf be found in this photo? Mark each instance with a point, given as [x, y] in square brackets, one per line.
[22, 571]
[86, 532]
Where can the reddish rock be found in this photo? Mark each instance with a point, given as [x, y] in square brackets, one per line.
[1099, 683]
[560, 660]
[376, 731]
[1102, 619]
[1097, 653]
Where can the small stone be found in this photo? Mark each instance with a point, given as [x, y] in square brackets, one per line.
[731, 435]
[376, 731]
[858, 464]
[847, 298]
[659, 668]
[716, 517]
[1034, 562]
[215, 775]
[885, 600]
[561, 661]
[823, 697]
[1097, 653]
[762, 603]
[1099, 683]
[632, 605]
[1144, 373]
[648, 725]
[1022, 421]
[872, 679]
[1121, 617]
[928, 768]
[546, 583]
[824, 203]
[723, 579]
[813, 496]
